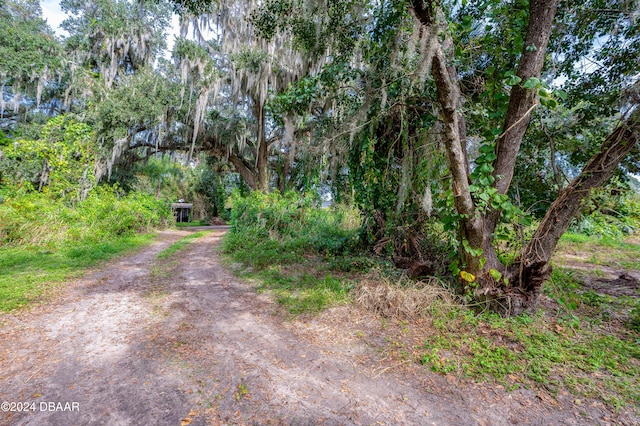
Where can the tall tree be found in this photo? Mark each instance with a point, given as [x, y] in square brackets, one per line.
[514, 288]
[115, 37]
[257, 65]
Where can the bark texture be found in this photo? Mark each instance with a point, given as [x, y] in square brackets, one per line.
[450, 100]
[245, 171]
[521, 101]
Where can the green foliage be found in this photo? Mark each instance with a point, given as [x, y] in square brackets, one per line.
[272, 230]
[191, 50]
[634, 318]
[251, 60]
[612, 212]
[95, 27]
[45, 240]
[313, 28]
[34, 219]
[4, 140]
[60, 162]
[301, 292]
[616, 53]
[289, 223]
[30, 54]
[138, 102]
[215, 188]
[166, 177]
[195, 7]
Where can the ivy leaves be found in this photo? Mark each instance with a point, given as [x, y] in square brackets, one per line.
[61, 161]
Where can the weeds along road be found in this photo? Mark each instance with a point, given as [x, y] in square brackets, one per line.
[148, 341]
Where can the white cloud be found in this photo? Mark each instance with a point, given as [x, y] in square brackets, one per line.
[54, 15]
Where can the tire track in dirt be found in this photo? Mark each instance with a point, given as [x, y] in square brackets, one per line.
[81, 348]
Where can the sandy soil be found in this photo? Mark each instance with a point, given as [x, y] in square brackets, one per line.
[178, 342]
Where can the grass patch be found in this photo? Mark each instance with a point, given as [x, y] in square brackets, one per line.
[46, 240]
[570, 237]
[616, 252]
[300, 292]
[306, 293]
[27, 273]
[180, 244]
[530, 351]
[194, 223]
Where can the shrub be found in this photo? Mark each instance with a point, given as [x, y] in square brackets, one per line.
[34, 219]
[287, 225]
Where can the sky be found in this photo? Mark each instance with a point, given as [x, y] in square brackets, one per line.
[54, 16]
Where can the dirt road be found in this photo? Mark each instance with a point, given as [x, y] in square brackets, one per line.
[149, 342]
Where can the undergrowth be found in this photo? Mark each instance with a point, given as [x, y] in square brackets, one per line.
[535, 351]
[580, 341]
[583, 341]
[44, 240]
[278, 236]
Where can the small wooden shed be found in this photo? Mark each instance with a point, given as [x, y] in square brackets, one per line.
[182, 211]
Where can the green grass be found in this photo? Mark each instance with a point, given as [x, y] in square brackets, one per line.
[576, 238]
[297, 291]
[280, 267]
[601, 250]
[46, 240]
[535, 350]
[180, 244]
[194, 223]
[27, 273]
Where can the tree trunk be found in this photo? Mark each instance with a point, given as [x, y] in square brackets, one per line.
[519, 288]
[450, 100]
[245, 172]
[448, 97]
[288, 141]
[529, 273]
[596, 173]
[521, 101]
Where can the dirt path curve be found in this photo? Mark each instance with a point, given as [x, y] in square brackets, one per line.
[149, 342]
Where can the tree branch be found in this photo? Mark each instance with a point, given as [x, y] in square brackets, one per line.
[594, 174]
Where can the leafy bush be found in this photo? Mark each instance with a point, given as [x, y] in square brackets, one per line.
[60, 162]
[284, 226]
[611, 216]
[34, 219]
